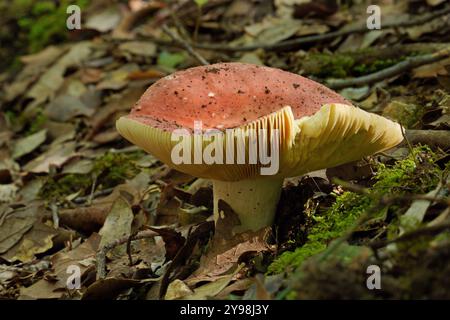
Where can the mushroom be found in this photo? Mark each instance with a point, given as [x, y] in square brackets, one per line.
[294, 121]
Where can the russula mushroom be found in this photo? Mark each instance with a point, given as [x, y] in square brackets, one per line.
[305, 126]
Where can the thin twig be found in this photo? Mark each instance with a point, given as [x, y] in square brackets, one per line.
[185, 45]
[179, 26]
[411, 235]
[96, 194]
[433, 138]
[405, 137]
[55, 216]
[91, 195]
[417, 20]
[101, 254]
[391, 199]
[368, 213]
[399, 68]
[197, 22]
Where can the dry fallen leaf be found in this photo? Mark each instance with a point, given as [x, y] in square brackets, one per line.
[117, 225]
[56, 156]
[139, 48]
[226, 247]
[8, 192]
[53, 78]
[65, 107]
[37, 240]
[82, 257]
[117, 79]
[440, 68]
[14, 224]
[434, 3]
[109, 288]
[35, 65]
[29, 143]
[105, 20]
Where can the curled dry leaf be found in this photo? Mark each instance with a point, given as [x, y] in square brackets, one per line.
[117, 225]
[8, 192]
[105, 20]
[56, 156]
[53, 78]
[23, 233]
[226, 248]
[83, 257]
[25, 145]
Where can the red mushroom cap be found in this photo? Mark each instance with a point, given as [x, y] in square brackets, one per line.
[317, 127]
[228, 95]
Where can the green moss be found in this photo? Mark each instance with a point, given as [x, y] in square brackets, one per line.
[113, 168]
[341, 65]
[43, 22]
[332, 224]
[58, 188]
[108, 171]
[377, 65]
[325, 65]
[415, 174]
[418, 173]
[26, 123]
[407, 114]
[38, 122]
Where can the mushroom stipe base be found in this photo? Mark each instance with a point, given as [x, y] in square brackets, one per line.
[253, 200]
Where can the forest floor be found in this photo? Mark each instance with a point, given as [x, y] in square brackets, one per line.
[78, 202]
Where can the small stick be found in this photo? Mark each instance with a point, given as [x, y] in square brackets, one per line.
[390, 199]
[399, 68]
[55, 216]
[411, 235]
[418, 20]
[101, 254]
[433, 138]
[96, 194]
[197, 22]
[185, 45]
[411, 151]
[91, 195]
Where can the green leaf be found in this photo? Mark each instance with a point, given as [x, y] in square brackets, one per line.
[170, 60]
[201, 3]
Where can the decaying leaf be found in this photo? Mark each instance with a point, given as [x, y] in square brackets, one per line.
[35, 64]
[56, 156]
[53, 78]
[227, 248]
[37, 240]
[66, 107]
[414, 216]
[105, 20]
[109, 288]
[440, 68]
[139, 48]
[8, 192]
[14, 224]
[117, 224]
[82, 257]
[28, 144]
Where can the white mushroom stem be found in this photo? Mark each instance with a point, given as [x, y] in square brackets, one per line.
[253, 200]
